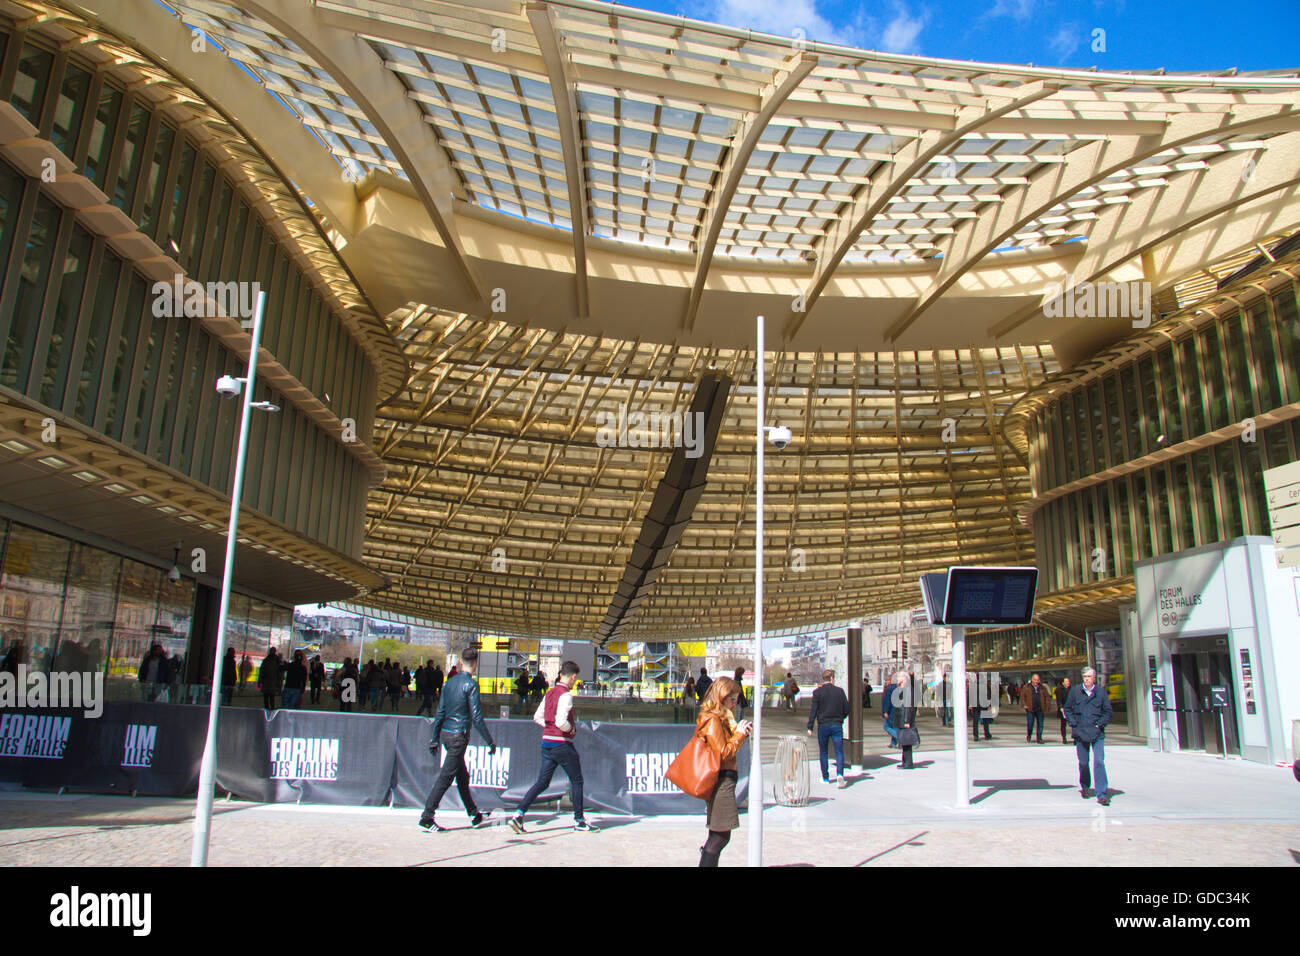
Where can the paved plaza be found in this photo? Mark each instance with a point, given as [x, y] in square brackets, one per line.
[1177, 809]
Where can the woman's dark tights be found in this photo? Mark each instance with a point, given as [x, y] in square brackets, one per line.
[717, 840]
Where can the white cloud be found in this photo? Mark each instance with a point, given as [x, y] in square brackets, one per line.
[779, 17]
[901, 32]
[1065, 41]
[1016, 9]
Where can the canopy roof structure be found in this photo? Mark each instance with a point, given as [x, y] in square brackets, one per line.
[561, 209]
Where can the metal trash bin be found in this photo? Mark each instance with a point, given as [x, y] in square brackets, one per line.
[791, 780]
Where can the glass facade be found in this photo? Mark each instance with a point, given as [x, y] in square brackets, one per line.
[1238, 367]
[78, 322]
[73, 607]
[1014, 647]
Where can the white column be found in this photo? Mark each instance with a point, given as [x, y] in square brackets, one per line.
[208, 769]
[959, 739]
[755, 741]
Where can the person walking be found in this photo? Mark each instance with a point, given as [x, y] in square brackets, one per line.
[888, 703]
[393, 677]
[229, 675]
[905, 717]
[559, 725]
[155, 672]
[688, 691]
[830, 706]
[1062, 697]
[348, 693]
[789, 691]
[1033, 700]
[866, 694]
[459, 710]
[739, 678]
[316, 675]
[724, 735]
[375, 685]
[522, 685]
[295, 682]
[1088, 711]
[436, 681]
[539, 685]
[245, 669]
[406, 681]
[702, 685]
[424, 687]
[943, 700]
[269, 677]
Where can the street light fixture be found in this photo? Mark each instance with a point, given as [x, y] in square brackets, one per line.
[228, 387]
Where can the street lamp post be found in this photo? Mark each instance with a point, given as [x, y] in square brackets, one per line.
[208, 768]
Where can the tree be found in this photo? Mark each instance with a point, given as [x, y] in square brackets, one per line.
[728, 663]
[774, 674]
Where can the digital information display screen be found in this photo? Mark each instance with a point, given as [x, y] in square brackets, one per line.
[990, 595]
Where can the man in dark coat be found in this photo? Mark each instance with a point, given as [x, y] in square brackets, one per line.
[295, 681]
[435, 680]
[316, 674]
[829, 708]
[522, 684]
[702, 685]
[155, 672]
[424, 687]
[1033, 700]
[269, 676]
[1088, 711]
[1062, 696]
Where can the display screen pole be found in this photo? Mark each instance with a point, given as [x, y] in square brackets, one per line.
[960, 742]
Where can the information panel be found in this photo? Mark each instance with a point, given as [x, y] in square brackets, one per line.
[982, 595]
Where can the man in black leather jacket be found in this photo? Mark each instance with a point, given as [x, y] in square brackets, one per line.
[458, 710]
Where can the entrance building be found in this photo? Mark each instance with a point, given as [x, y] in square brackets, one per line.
[1219, 628]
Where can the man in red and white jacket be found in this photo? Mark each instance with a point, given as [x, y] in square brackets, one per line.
[559, 728]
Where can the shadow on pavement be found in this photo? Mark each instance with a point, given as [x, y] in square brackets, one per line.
[910, 841]
[1026, 784]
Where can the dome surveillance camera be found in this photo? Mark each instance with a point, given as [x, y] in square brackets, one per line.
[780, 436]
[174, 575]
[228, 386]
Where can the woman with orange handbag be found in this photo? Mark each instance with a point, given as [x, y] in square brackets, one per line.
[718, 727]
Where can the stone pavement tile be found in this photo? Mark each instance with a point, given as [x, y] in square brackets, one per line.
[99, 831]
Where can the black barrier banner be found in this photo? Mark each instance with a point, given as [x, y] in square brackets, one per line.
[632, 760]
[331, 758]
[151, 749]
[306, 756]
[622, 767]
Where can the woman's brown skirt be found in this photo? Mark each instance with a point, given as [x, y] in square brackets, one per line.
[723, 814]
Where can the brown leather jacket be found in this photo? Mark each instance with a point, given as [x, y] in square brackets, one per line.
[721, 734]
[1045, 696]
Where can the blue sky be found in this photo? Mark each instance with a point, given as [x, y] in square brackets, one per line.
[1139, 34]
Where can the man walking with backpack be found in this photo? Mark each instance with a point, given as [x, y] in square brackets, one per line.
[559, 726]
[458, 710]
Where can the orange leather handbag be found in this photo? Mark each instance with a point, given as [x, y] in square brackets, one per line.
[695, 770]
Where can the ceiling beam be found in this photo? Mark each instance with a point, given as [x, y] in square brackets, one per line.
[563, 92]
[830, 249]
[1089, 164]
[733, 168]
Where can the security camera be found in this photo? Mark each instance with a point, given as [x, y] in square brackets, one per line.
[780, 436]
[174, 575]
[228, 386]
